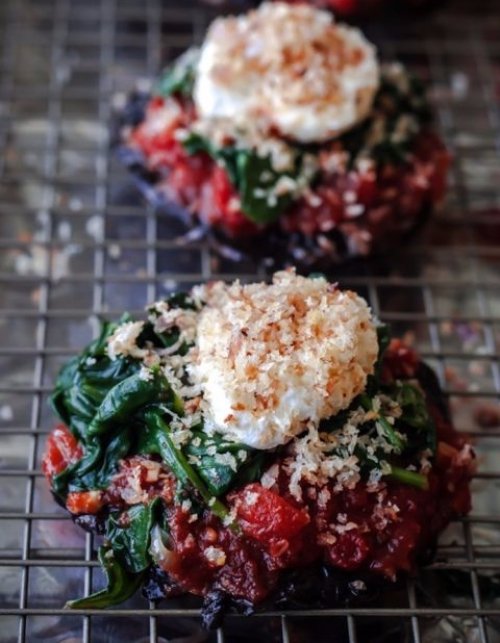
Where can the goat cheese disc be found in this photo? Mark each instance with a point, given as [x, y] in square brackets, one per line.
[273, 359]
[288, 67]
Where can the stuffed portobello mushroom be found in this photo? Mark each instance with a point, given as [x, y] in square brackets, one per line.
[244, 435]
[284, 135]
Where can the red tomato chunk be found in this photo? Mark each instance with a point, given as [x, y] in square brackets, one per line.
[61, 450]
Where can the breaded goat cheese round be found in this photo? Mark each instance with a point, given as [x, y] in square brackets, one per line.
[272, 359]
[288, 67]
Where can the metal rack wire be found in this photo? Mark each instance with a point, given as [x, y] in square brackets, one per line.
[77, 243]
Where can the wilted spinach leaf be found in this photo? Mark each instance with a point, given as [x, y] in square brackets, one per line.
[157, 438]
[85, 381]
[120, 584]
[129, 535]
[218, 461]
[130, 396]
[253, 177]
[179, 77]
[416, 421]
[98, 464]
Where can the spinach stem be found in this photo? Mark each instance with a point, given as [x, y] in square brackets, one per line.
[180, 465]
[390, 433]
[410, 478]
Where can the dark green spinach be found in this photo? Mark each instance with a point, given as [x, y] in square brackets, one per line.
[98, 464]
[253, 177]
[129, 535]
[418, 424]
[219, 462]
[179, 77]
[120, 584]
[408, 435]
[156, 438]
[130, 396]
[85, 381]
[108, 435]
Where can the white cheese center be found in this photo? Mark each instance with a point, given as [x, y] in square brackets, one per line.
[275, 358]
[289, 68]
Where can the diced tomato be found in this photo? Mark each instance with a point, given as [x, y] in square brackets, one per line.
[152, 140]
[349, 551]
[367, 190]
[61, 450]
[400, 361]
[344, 7]
[186, 176]
[340, 7]
[223, 209]
[84, 502]
[223, 190]
[400, 550]
[264, 515]
[140, 479]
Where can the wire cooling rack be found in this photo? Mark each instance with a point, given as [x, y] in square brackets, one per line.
[77, 243]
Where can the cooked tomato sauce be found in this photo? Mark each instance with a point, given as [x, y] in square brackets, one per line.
[383, 529]
[393, 197]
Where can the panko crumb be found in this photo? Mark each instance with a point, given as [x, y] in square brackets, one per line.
[273, 358]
